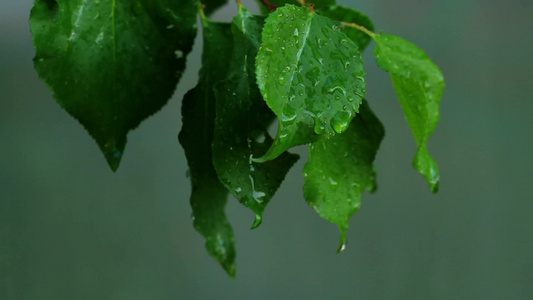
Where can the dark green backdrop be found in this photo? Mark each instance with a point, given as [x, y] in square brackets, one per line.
[71, 229]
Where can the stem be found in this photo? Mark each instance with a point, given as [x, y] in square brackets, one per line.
[360, 28]
[270, 6]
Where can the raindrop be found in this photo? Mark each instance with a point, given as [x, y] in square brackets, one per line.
[289, 114]
[319, 127]
[340, 121]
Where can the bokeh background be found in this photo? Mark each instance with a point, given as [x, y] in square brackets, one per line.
[72, 229]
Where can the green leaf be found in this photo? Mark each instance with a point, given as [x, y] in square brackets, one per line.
[111, 64]
[242, 117]
[284, 2]
[209, 196]
[210, 6]
[419, 85]
[310, 74]
[350, 15]
[341, 168]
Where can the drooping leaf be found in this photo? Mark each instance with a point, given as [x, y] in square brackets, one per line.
[310, 74]
[111, 64]
[242, 117]
[350, 15]
[210, 6]
[209, 196]
[341, 168]
[419, 85]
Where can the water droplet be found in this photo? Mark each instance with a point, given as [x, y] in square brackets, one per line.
[342, 248]
[337, 88]
[332, 181]
[340, 121]
[257, 221]
[319, 127]
[289, 114]
[296, 32]
[238, 190]
[258, 195]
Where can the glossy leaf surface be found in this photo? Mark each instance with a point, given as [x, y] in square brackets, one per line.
[341, 168]
[111, 64]
[310, 74]
[419, 85]
[242, 118]
[350, 15]
[208, 196]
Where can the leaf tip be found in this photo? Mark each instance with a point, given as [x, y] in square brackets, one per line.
[434, 187]
[257, 221]
[342, 245]
[231, 269]
[113, 154]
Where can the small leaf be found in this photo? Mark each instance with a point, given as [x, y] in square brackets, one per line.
[111, 64]
[310, 74]
[242, 117]
[419, 85]
[341, 168]
[210, 6]
[209, 196]
[350, 15]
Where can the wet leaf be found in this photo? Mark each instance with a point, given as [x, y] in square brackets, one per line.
[317, 3]
[341, 168]
[242, 119]
[310, 74]
[111, 64]
[419, 85]
[209, 196]
[350, 15]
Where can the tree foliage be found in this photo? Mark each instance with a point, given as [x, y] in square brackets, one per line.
[111, 64]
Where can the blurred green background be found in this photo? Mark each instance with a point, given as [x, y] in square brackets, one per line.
[71, 229]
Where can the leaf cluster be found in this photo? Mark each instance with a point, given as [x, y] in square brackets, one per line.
[111, 64]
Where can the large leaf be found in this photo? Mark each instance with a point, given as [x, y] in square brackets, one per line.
[209, 196]
[419, 85]
[350, 15]
[111, 64]
[242, 117]
[310, 74]
[340, 169]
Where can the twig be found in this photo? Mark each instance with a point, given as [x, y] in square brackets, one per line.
[271, 7]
